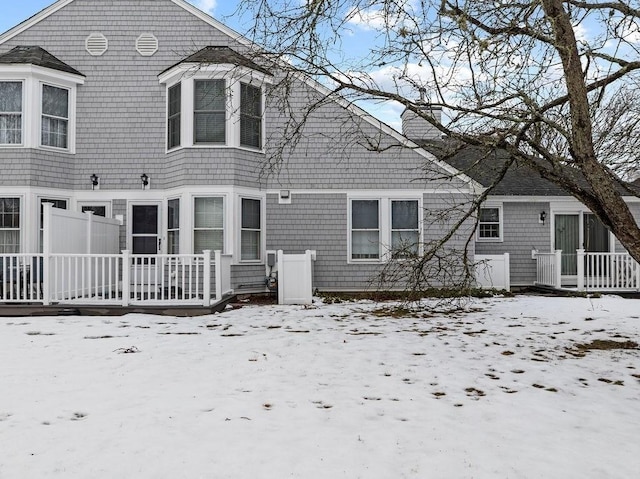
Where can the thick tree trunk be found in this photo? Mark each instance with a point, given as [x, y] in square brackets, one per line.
[607, 202]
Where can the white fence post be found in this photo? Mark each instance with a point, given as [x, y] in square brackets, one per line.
[218, 262]
[126, 280]
[47, 277]
[206, 296]
[280, 276]
[558, 269]
[580, 269]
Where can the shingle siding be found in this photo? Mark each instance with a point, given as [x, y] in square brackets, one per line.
[522, 233]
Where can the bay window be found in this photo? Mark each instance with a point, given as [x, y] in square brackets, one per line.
[208, 231]
[10, 112]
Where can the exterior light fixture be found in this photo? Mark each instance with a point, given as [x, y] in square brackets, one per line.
[543, 216]
[95, 181]
[145, 180]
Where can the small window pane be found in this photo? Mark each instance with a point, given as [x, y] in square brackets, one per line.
[209, 127]
[209, 213]
[144, 219]
[250, 213]
[489, 230]
[10, 97]
[364, 214]
[9, 212]
[250, 245]
[365, 245]
[207, 239]
[404, 215]
[97, 210]
[210, 95]
[55, 101]
[404, 243]
[488, 215]
[173, 213]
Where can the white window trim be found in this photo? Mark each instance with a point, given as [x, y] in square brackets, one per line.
[33, 77]
[238, 216]
[384, 226]
[500, 238]
[187, 74]
[67, 119]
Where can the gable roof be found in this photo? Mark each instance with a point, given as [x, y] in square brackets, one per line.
[220, 55]
[34, 55]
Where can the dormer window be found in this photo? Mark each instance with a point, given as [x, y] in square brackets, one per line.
[10, 113]
[215, 98]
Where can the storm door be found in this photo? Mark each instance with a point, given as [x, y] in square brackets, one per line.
[146, 242]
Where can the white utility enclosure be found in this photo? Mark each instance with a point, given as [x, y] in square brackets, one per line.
[295, 277]
[492, 271]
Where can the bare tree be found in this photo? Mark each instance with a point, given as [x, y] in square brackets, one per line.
[553, 83]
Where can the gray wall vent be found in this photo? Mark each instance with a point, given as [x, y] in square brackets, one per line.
[96, 44]
[147, 44]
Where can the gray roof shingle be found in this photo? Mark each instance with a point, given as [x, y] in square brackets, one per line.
[221, 55]
[38, 56]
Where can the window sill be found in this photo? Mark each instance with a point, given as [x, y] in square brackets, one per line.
[214, 146]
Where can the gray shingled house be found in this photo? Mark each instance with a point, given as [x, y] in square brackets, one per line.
[138, 137]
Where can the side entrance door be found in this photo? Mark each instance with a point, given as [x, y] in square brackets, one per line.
[145, 241]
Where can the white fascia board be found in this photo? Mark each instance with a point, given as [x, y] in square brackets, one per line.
[28, 23]
[21, 70]
[218, 70]
[376, 192]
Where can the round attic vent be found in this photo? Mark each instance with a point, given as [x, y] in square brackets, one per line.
[96, 44]
[147, 44]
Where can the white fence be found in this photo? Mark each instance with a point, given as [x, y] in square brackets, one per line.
[492, 271]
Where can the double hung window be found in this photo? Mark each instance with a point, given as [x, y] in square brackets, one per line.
[250, 231]
[208, 224]
[209, 112]
[405, 235]
[489, 224]
[9, 225]
[250, 116]
[174, 111]
[55, 117]
[365, 229]
[10, 113]
[173, 226]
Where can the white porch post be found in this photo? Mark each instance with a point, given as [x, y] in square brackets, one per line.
[580, 269]
[46, 253]
[206, 296]
[126, 281]
[218, 262]
[558, 270]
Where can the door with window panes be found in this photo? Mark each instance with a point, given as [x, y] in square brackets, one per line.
[146, 242]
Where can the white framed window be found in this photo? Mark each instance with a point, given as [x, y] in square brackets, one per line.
[174, 110]
[405, 228]
[384, 228]
[490, 223]
[54, 127]
[9, 225]
[208, 223]
[173, 226]
[11, 112]
[365, 229]
[209, 112]
[250, 115]
[250, 229]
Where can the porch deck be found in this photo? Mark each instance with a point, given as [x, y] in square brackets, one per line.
[589, 272]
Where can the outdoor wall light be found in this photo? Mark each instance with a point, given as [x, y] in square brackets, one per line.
[543, 216]
[145, 180]
[95, 181]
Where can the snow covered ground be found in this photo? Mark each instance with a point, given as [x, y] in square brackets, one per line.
[331, 391]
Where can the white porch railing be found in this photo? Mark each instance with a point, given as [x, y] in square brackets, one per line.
[112, 279]
[607, 272]
[594, 271]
